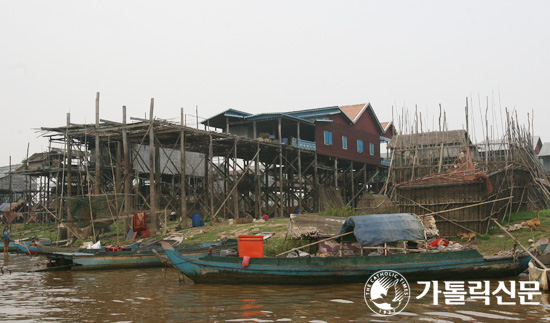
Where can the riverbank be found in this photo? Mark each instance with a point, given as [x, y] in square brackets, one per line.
[491, 243]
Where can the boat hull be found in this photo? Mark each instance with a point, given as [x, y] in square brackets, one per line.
[539, 275]
[139, 258]
[318, 270]
[31, 250]
[114, 262]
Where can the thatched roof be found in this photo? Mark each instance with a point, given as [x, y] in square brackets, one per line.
[434, 138]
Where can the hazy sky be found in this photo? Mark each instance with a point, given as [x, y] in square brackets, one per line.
[261, 56]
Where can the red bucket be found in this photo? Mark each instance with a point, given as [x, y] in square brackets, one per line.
[251, 246]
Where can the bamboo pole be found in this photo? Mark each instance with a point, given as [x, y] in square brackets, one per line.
[210, 167]
[317, 202]
[10, 198]
[183, 163]
[235, 191]
[127, 167]
[444, 218]
[525, 249]
[228, 195]
[281, 200]
[97, 188]
[257, 190]
[66, 225]
[469, 206]
[300, 180]
[152, 184]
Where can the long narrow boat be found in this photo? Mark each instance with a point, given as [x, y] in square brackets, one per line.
[370, 231]
[31, 250]
[466, 264]
[136, 258]
[25, 246]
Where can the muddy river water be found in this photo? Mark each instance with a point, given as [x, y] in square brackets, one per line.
[157, 295]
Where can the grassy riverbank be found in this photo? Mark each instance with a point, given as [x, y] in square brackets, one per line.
[493, 242]
[496, 240]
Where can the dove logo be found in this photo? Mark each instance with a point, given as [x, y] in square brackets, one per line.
[387, 292]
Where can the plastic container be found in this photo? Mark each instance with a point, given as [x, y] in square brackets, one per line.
[196, 220]
[251, 246]
[201, 224]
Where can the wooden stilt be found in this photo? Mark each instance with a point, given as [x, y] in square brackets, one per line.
[183, 165]
[152, 184]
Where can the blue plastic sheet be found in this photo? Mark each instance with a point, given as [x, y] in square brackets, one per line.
[376, 229]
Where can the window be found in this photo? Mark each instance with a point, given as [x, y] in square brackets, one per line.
[344, 142]
[328, 138]
[360, 146]
[371, 148]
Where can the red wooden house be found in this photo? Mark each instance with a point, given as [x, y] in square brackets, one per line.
[350, 132]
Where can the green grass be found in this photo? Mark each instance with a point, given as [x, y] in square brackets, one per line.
[345, 211]
[497, 240]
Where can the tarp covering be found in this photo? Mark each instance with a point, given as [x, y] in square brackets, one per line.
[86, 208]
[376, 229]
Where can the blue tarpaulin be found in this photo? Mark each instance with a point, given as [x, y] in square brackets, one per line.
[376, 229]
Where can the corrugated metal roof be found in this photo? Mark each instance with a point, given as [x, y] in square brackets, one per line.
[545, 150]
[5, 170]
[315, 112]
[267, 116]
[232, 113]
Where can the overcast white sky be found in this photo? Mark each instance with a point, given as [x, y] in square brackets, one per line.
[260, 56]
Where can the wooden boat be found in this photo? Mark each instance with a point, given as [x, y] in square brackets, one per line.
[466, 264]
[537, 273]
[369, 231]
[56, 249]
[51, 249]
[25, 246]
[31, 250]
[135, 258]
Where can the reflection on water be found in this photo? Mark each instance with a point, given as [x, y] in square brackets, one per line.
[156, 295]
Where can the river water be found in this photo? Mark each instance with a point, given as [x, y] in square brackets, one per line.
[157, 295]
